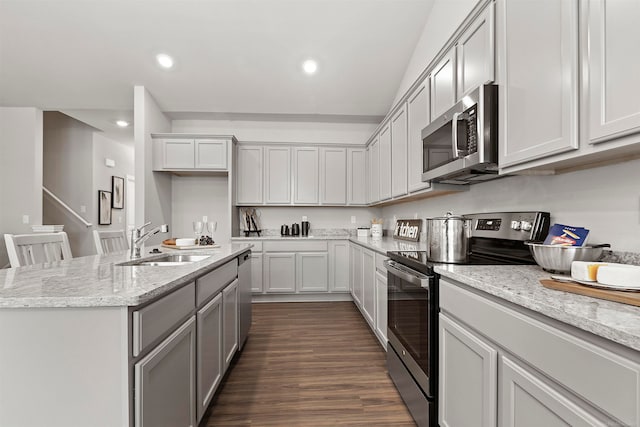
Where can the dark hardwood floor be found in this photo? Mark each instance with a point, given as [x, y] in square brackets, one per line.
[308, 364]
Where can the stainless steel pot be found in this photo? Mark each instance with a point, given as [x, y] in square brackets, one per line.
[448, 238]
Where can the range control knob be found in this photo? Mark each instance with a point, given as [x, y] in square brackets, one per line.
[516, 225]
[526, 226]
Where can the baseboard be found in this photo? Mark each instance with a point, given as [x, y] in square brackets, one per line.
[260, 298]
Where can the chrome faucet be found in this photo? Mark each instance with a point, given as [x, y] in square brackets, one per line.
[137, 238]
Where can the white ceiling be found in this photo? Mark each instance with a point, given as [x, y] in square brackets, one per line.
[232, 56]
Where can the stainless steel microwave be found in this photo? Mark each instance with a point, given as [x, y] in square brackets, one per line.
[461, 146]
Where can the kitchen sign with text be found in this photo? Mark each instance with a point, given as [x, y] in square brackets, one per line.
[408, 229]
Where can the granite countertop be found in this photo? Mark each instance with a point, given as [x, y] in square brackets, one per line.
[96, 281]
[521, 285]
[314, 234]
[384, 244]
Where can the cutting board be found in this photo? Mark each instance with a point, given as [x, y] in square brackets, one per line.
[625, 297]
[191, 247]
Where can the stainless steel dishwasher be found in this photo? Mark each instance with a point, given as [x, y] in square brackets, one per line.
[244, 296]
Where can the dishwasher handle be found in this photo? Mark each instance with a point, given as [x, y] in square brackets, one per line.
[244, 257]
[408, 274]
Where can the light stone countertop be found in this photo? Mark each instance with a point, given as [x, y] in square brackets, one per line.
[96, 281]
[314, 234]
[521, 285]
[386, 243]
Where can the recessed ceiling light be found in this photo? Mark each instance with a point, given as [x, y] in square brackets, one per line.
[122, 123]
[310, 66]
[164, 60]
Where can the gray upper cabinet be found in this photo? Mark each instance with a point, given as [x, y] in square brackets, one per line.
[210, 154]
[277, 182]
[399, 152]
[475, 53]
[249, 175]
[333, 176]
[305, 176]
[443, 84]
[417, 119]
[613, 68]
[178, 153]
[538, 111]
[197, 154]
[385, 162]
[374, 170]
[357, 188]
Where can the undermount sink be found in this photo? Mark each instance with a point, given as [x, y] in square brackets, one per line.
[167, 260]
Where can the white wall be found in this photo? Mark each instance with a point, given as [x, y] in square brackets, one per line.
[605, 200]
[153, 189]
[20, 171]
[123, 156]
[445, 17]
[68, 173]
[296, 132]
[196, 196]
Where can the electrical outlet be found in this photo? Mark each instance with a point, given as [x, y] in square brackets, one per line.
[120, 220]
[415, 215]
[205, 218]
[304, 218]
[353, 219]
[25, 219]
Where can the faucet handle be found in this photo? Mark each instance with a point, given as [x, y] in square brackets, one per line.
[139, 229]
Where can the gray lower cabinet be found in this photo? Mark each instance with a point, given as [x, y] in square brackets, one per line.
[165, 381]
[468, 377]
[356, 274]
[230, 322]
[279, 272]
[381, 307]
[528, 400]
[369, 286]
[339, 265]
[312, 272]
[548, 372]
[209, 356]
[256, 273]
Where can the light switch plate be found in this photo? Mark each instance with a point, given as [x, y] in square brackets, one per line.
[25, 219]
[304, 217]
[110, 163]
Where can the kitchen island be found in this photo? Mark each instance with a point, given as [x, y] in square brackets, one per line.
[90, 342]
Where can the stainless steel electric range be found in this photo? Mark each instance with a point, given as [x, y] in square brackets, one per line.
[412, 354]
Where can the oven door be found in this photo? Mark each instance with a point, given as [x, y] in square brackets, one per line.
[412, 322]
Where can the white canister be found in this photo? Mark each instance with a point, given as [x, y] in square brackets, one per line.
[376, 230]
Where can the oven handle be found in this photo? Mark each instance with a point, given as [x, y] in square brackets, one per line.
[407, 274]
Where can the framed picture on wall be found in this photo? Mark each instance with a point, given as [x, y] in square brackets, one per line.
[117, 190]
[104, 207]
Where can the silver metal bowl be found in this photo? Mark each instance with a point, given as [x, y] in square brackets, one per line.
[558, 259]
